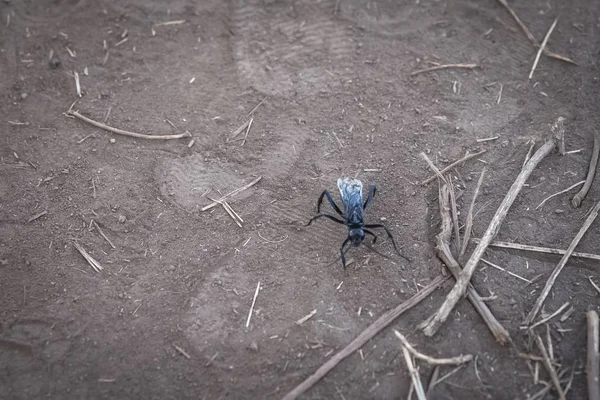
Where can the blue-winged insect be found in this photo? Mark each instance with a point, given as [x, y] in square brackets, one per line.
[353, 214]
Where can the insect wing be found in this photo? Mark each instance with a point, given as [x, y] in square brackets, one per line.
[351, 194]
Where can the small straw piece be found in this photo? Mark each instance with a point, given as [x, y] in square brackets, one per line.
[414, 375]
[77, 84]
[462, 282]
[594, 284]
[252, 306]
[256, 107]
[430, 360]
[167, 23]
[232, 193]
[229, 211]
[247, 131]
[306, 317]
[593, 363]
[538, 249]
[182, 351]
[538, 304]
[125, 133]
[505, 270]
[239, 130]
[578, 198]
[444, 66]
[454, 164]
[102, 234]
[469, 223]
[561, 192]
[549, 367]
[548, 318]
[36, 216]
[542, 47]
[93, 263]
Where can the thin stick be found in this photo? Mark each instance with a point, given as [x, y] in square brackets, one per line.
[465, 277]
[226, 204]
[247, 131]
[549, 367]
[256, 107]
[469, 223]
[454, 215]
[414, 375]
[538, 304]
[306, 317]
[125, 133]
[542, 47]
[365, 336]
[590, 175]
[538, 249]
[505, 270]
[431, 360]
[561, 192]
[444, 66]
[93, 263]
[548, 318]
[252, 306]
[238, 130]
[232, 193]
[102, 234]
[438, 174]
[532, 38]
[77, 84]
[36, 216]
[593, 363]
[443, 252]
[182, 351]
[594, 284]
[454, 164]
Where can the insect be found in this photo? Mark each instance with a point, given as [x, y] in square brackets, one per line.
[353, 214]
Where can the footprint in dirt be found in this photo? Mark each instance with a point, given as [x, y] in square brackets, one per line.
[283, 49]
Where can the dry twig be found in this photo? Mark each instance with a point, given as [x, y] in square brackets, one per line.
[469, 223]
[538, 249]
[125, 133]
[593, 363]
[444, 66]
[550, 367]
[454, 164]
[532, 38]
[232, 193]
[102, 234]
[93, 263]
[558, 193]
[443, 252]
[578, 198]
[542, 47]
[414, 375]
[252, 306]
[465, 277]
[431, 360]
[365, 336]
[538, 304]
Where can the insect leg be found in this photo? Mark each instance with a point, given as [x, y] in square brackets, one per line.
[372, 191]
[330, 199]
[343, 252]
[389, 235]
[331, 217]
[368, 232]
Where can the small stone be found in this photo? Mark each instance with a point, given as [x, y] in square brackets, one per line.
[122, 219]
[113, 140]
[171, 268]
[24, 96]
[253, 346]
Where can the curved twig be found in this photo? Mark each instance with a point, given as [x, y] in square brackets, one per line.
[578, 198]
[125, 133]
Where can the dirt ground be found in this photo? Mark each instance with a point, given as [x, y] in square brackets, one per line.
[166, 318]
